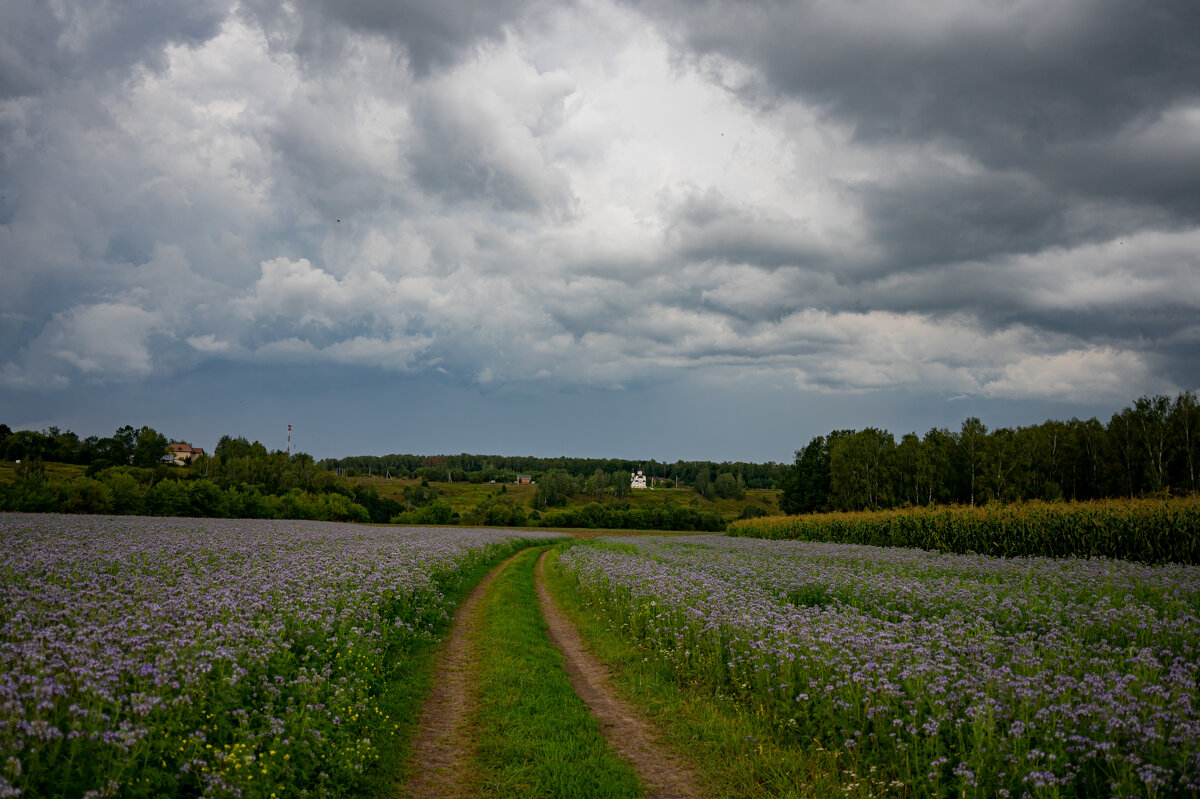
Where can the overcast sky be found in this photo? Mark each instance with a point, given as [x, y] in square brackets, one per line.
[645, 229]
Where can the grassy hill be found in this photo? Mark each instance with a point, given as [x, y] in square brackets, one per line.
[11, 472]
[464, 496]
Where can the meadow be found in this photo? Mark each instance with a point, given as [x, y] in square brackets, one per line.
[153, 656]
[144, 657]
[912, 672]
[463, 496]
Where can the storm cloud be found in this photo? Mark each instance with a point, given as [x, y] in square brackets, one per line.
[997, 202]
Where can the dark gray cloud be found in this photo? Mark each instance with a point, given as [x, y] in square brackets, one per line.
[939, 216]
[1008, 78]
[46, 43]
[430, 34]
[1061, 91]
[707, 226]
[463, 155]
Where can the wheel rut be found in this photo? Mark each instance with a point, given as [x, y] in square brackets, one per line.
[664, 774]
[439, 747]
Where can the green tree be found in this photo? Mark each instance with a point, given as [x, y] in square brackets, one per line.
[941, 452]
[126, 491]
[149, 447]
[116, 450]
[553, 489]
[619, 484]
[85, 495]
[1124, 454]
[26, 445]
[726, 486]
[1089, 441]
[1005, 458]
[1154, 428]
[861, 470]
[1185, 424]
[973, 441]
[806, 483]
[1048, 450]
[167, 498]
[598, 484]
[912, 470]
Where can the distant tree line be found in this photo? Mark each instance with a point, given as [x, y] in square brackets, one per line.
[486, 468]
[1149, 448]
[130, 473]
[128, 446]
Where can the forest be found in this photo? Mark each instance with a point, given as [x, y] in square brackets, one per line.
[1149, 448]
[466, 468]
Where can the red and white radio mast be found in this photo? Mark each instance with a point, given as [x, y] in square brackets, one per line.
[289, 441]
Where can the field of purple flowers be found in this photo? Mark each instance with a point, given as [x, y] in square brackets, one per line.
[152, 657]
[935, 674]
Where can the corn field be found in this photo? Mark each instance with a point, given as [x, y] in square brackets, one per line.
[1150, 531]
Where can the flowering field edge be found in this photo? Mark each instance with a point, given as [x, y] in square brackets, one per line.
[921, 673]
[261, 660]
[736, 751]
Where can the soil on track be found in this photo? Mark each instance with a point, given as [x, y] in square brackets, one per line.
[439, 748]
[664, 775]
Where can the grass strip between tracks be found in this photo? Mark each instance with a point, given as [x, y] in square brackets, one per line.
[410, 681]
[531, 734]
[731, 749]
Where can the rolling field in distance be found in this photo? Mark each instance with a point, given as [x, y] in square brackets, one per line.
[464, 496]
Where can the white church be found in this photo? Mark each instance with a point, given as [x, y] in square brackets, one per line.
[637, 479]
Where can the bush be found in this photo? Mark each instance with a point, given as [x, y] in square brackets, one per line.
[436, 512]
[623, 517]
[167, 498]
[497, 512]
[126, 491]
[85, 495]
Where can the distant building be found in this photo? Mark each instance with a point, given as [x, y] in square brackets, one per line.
[183, 454]
[524, 479]
[637, 479]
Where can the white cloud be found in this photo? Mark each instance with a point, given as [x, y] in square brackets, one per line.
[104, 342]
[397, 353]
[1075, 375]
[208, 343]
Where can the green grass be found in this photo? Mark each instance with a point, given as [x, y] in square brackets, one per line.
[464, 496]
[531, 734]
[410, 682]
[10, 471]
[732, 748]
